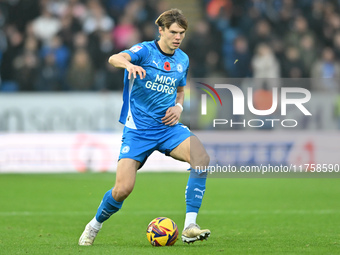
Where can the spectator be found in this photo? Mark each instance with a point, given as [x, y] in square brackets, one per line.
[264, 63]
[27, 68]
[105, 73]
[278, 48]
[247, 21]
[77, 9]
[26, 65]
[316, 16]
[198, 47]
[60, 52]
[262, 33]
[69, 26]
[283, 25]
[300, 29]
[14, 49]
[125, 34]
[331, 26]
[97, 20]
[116, 7]
[81, 73]
[46, 26]
[149, 31]
[308, 53]
[109, 79]
[50, 78]
[31, 45]
[242, 59]
[326, 72]
[266, 68]
[292, 66]
[91, 44]
[135, 11]
[105, 49]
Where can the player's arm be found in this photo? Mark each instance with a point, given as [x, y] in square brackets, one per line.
[123, 60]
[173, 114]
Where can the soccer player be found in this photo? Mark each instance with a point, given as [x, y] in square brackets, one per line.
[153, 96]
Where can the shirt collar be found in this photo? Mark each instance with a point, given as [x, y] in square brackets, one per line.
[159, 48]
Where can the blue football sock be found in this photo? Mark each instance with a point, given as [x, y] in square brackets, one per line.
[107, 207]
[195, 190]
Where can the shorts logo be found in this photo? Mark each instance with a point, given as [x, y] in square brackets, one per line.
[179, 68]
[135, 48]
[126, 149]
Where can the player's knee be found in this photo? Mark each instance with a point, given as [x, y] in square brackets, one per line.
[203, 160]
[121, 192]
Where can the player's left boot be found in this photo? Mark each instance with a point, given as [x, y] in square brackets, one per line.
[193, 233]
[88, 236]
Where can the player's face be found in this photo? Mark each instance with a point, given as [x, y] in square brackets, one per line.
[171, 38]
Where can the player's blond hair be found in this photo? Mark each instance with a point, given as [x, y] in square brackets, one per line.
[167, 18]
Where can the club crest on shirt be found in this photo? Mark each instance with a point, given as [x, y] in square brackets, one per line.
[135, 48]
[179, 68]
[126, 149]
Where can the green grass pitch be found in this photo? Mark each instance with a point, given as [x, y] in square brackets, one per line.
[45, 214]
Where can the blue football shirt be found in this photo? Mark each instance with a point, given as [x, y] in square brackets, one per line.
[146, 101]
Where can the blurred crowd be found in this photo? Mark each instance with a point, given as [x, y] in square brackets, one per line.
[64, 45]
[270, 39]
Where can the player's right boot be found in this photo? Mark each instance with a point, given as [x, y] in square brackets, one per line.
[88, 236]
[193, 233]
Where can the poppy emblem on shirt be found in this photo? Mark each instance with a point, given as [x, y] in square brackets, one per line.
[167, 66]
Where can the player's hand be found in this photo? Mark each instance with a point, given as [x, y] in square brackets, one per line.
[136, 70]
[172, 115]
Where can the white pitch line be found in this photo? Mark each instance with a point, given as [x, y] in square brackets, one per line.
[202, 212]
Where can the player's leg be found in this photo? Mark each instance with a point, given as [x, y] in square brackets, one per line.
[192, 151]
[125, 178]
[125, 181]
[113, 199]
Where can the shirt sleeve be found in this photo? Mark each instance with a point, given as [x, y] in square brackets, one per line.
[137, 53]
[183, 81]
